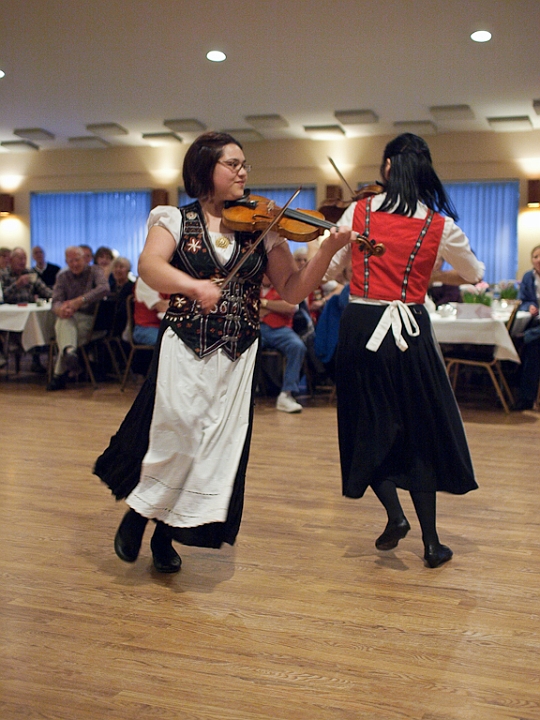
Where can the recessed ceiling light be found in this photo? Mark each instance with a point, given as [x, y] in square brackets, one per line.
[481, 36]
[216, 56]
[2, 74]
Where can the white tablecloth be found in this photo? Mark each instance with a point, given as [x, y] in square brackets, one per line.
[35, 323]
[476, 331]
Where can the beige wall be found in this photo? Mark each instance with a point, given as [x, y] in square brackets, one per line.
[457, 156]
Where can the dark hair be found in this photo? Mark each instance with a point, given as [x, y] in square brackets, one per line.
[102, 251]
[412, 178]
[200, 161]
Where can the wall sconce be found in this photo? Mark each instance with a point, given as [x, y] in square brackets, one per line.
[7, 204]
[533, 199]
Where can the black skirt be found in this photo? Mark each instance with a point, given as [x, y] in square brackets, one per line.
[119, 467]
[397, 415]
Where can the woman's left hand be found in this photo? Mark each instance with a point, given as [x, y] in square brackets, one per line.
[339, 237]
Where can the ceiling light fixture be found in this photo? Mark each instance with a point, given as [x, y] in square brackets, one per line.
[510, 124]
[324, 132]
[162, 138]
[19, 145]
[418, 127]
[356, 117]
[216, 56]
[481, 36]
[2, 74]
[244, 135]
[185, 125]
[452, 112]
[34, 134]
[88, 142]
[267, 122]
[107, 129]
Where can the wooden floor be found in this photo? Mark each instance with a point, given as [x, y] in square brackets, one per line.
[302, 619]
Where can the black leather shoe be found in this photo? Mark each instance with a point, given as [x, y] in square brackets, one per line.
[436, 555]
[128, 538]
[166, 559]
[58, 382]
[394, 531]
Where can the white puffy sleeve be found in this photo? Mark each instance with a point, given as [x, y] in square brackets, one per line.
[456, 250]
[168, 217]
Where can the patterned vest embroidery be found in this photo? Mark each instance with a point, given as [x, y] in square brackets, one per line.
[233, 324]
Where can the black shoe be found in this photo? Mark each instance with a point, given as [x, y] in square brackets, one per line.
[166, 559]
[394, 531]
[521, 405]
[437, 554]
[37, 367]
[128, 538]
[58, 382]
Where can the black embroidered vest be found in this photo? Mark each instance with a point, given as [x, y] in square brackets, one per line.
[233, 324]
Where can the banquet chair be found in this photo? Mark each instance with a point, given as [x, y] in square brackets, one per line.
[100, 327]
[483, 356]
[134, 347]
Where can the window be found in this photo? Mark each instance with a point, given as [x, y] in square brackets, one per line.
[115, 219]
[488, 214]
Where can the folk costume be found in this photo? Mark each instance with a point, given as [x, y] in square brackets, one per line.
[180, 456]
[397, 415]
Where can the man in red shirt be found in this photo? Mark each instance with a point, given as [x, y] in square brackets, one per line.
[277, 333]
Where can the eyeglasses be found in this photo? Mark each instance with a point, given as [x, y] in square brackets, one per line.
[235, 165]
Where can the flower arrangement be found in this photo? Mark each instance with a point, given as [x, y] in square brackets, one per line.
[478, 294]
[508, 289]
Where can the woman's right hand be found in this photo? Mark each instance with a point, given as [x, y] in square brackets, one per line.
[207, 294]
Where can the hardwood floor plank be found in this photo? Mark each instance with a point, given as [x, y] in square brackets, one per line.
[302, 620]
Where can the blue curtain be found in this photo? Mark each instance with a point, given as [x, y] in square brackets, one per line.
[114, 219]
[488, 214]
[306, 199]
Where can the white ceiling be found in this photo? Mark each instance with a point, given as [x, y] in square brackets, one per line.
[70, 63]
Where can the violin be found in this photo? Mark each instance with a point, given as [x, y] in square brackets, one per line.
[252, 213]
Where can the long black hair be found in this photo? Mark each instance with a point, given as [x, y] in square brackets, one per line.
[412, 178]
[200, 161]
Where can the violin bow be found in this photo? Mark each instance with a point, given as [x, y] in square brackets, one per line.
[349, 188]
[227, 279]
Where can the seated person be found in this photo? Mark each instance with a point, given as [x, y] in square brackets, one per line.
[149, 308]
[76, 291]
[19, 285]
[529, 294]
[444, 285]
[46, 271]
[5, 257]
[104, 257]
[121, 289]
[277, 333]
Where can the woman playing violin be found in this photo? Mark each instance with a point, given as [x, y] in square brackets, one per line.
[180, 455]
[399, 425]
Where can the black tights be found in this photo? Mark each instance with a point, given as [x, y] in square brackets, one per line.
[425, 505]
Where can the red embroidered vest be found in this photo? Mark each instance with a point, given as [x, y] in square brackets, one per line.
[403, 272]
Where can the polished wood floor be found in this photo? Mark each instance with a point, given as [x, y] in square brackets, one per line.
[303, 619]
